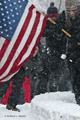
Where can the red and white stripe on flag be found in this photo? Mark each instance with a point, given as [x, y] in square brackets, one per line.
[14, 53]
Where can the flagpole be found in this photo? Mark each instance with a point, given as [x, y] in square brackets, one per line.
[55, 23]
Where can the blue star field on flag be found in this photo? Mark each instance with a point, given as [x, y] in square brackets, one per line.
[10, 14]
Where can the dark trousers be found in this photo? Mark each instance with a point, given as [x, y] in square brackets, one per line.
[3, 88]
[17, 79]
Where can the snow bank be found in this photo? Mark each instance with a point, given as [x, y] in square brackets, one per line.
[55, 106]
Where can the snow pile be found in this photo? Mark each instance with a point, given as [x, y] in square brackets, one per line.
[55, 106]
[56, 96]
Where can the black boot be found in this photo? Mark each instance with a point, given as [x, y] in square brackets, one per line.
[77, 98]
[1, 99]
[12, 108]
[78, 101]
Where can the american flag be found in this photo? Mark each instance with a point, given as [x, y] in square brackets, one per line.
[21, 27]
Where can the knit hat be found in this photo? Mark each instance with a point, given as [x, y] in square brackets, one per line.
[52, 9]
[71, 4]
[52, 4]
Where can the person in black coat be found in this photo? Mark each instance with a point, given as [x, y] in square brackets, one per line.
[73, 55]
[32, 67]
[55, 65]
[65, 47]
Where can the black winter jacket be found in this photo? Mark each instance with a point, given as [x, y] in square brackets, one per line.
[59, 42]
[73, 48]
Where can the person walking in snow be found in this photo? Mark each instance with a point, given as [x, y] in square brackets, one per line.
[14, 96]
[52, 50]
[56, 68]
[17, 81]
[32, 67]
[73, 26]
[70, 21]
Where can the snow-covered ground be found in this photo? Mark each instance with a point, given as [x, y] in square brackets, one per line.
[48, 106]
[25, 113]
